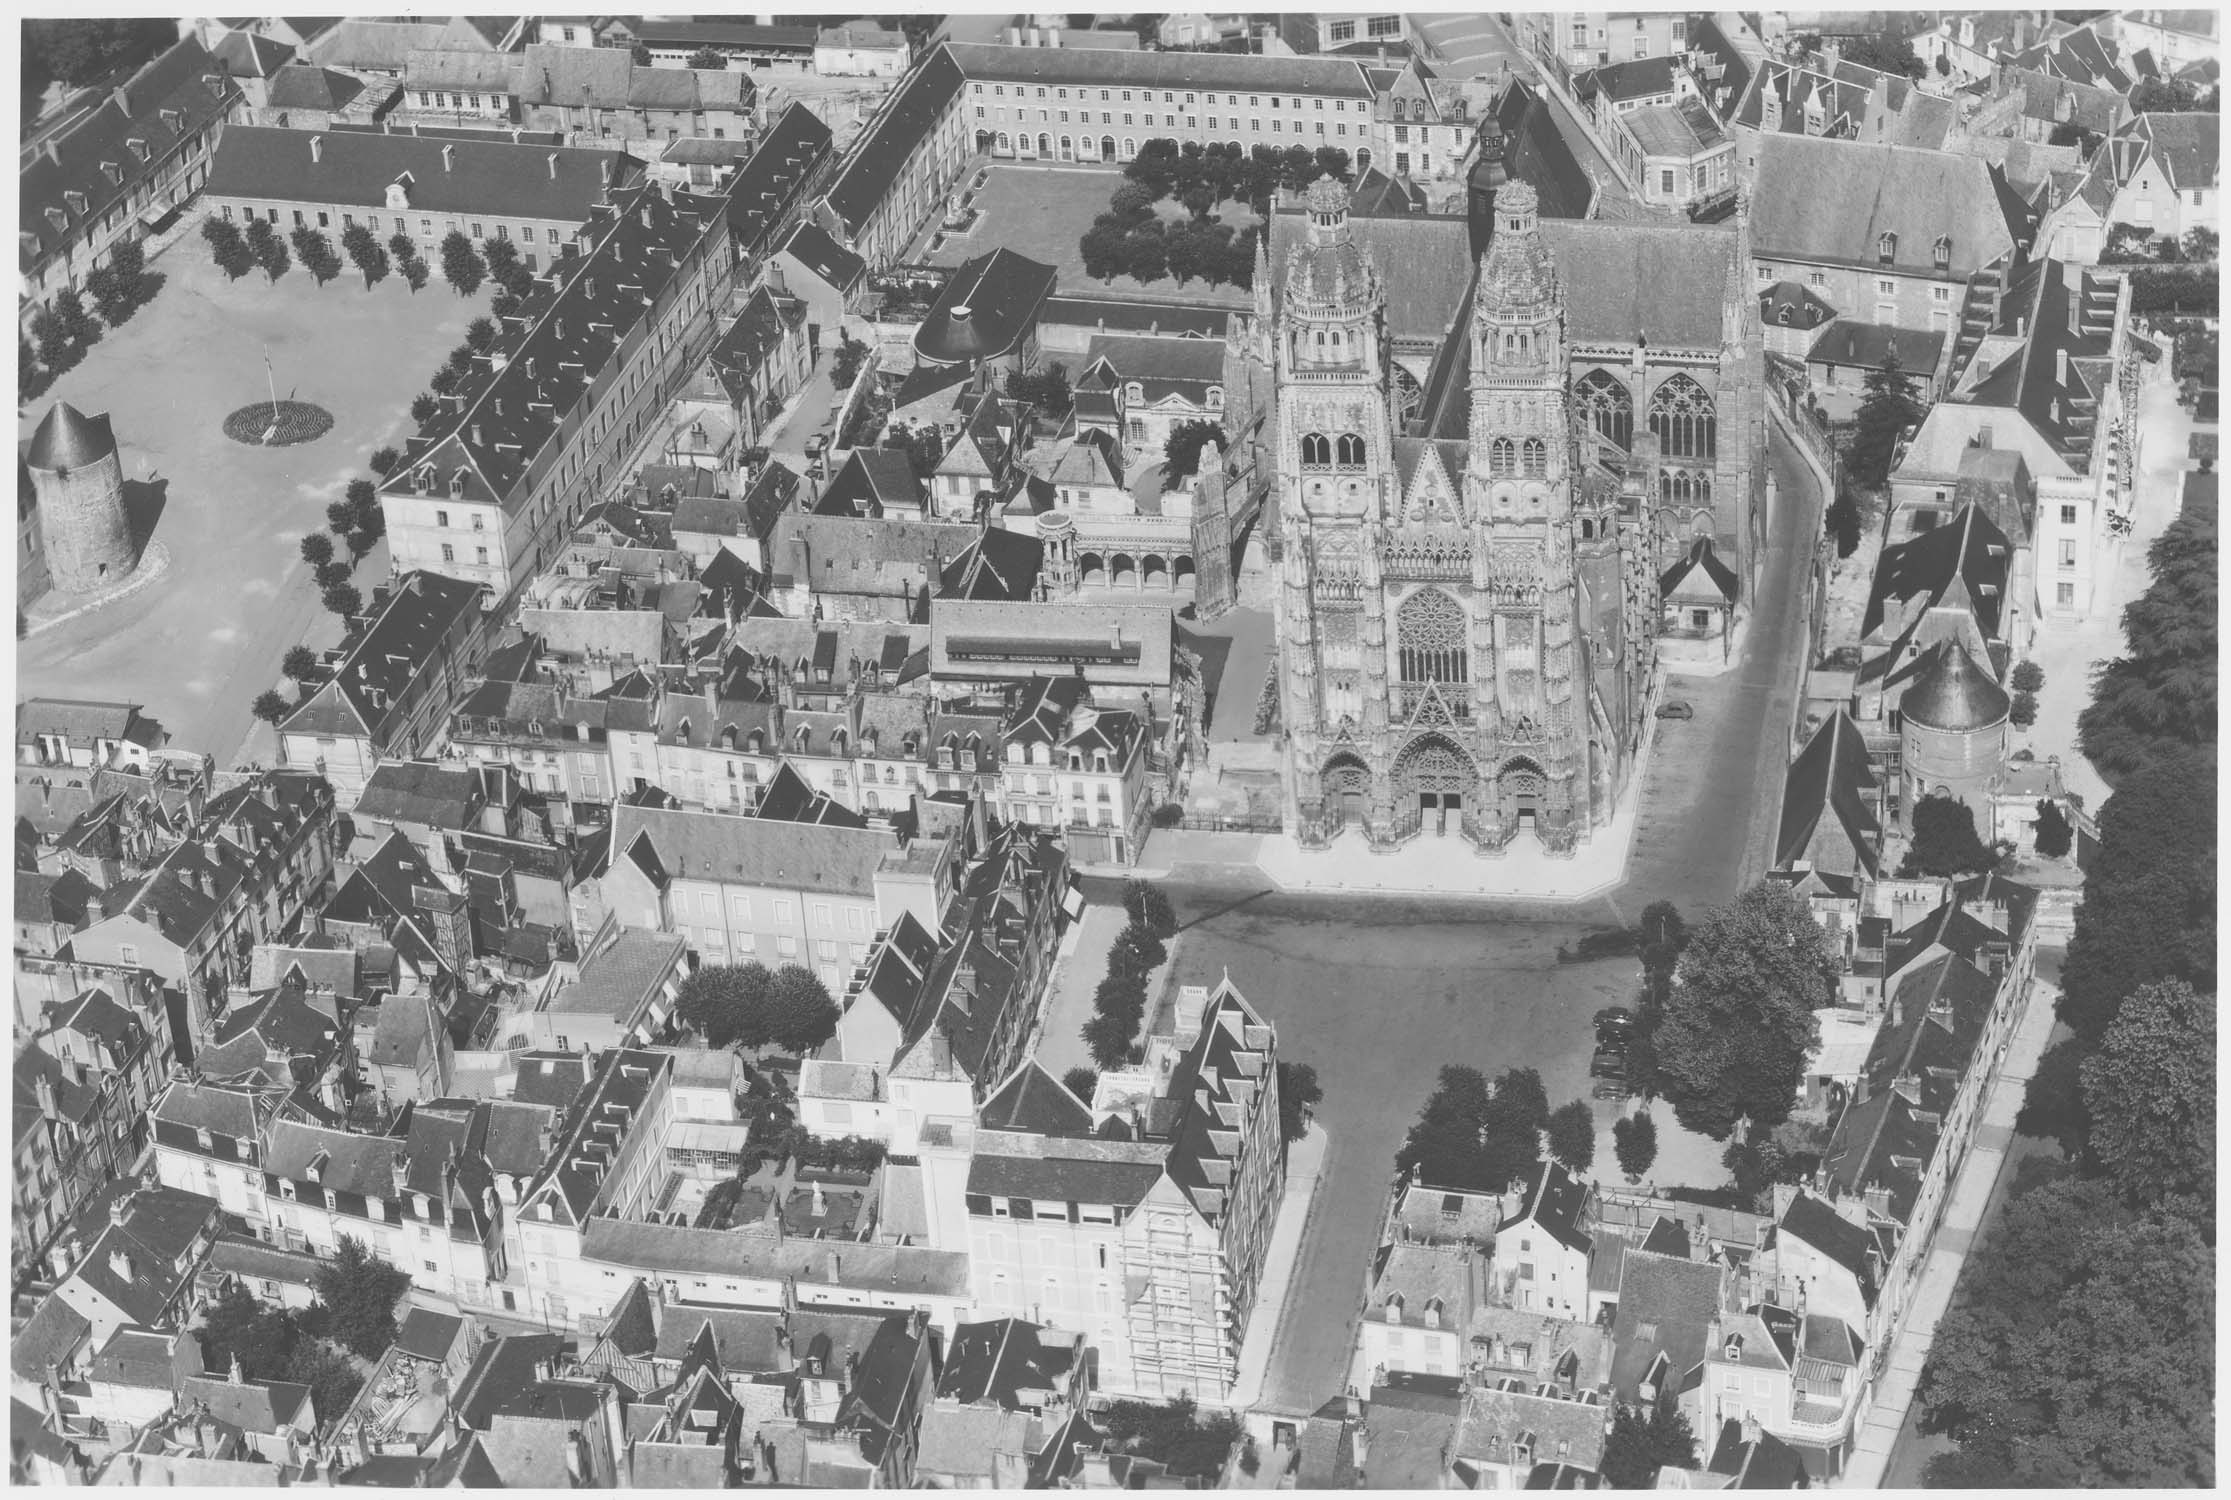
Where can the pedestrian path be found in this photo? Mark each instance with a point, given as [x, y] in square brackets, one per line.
[1971, 1192]
[1305, 1160]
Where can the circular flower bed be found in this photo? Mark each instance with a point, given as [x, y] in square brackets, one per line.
[268, 425]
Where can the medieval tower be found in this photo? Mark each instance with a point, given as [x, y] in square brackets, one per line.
[79, 482]
[1463, 635]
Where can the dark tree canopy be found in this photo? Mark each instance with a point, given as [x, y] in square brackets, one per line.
[1082, 1082]
[1298, 1093]
[2160, 695]
[1182, 450]
[2054, 832]
[2053, 1099]
[2149, 1092]
[83, 51]
[725, 1004]
[1475, 1138]
[1634, 1144]
[359, 1291]
[1738, 1023]
[1046, 388]
[1945, 840]
[271, 706]
[1572, 1135]
[1641, 1442]
[1174, 1433]
[1150, 908]
[1889, 406]
[462, 266]
[801, 1016]
[1886, 53]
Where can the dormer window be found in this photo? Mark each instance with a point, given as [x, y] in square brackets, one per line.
[1941, 252]
[1394, 1308]
[1014, 755]
[1886, 248]
[1134, 392]
[457, 482]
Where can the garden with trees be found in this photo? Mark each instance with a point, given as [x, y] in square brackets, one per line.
[1119, 1005]
[354, 1315]
[1132, 238]
[2079, 1350]
[749, 1005]
[1473, 1137]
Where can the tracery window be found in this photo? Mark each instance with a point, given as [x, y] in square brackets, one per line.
[1604, 401]
[1316, 450]
[1684, 419]
[1502, 458]
[1537, 458]
[1430, 630]
[1351, 451]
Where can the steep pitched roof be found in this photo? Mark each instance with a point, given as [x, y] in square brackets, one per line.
[1831, 777]
[1830, 202]
[1034, 1102]
[882, 151]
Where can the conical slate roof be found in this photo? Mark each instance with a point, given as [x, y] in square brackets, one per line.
[69, 439]
[1951, 692]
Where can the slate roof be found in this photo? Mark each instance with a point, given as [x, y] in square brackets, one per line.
[1001, 293]
[436, 793]
[69, 439]
[54, 1332]
[1032, 1101]
[1700, 572]
[247, 55]
[1130, 315]
[1811, 1220]
[812, 247]
[1859, 344]
[1831, 777]
[1106, 68]
[1558, 1202]
[1410, 1425]
[869, 482]
[174, 97]
[386, 658]
[1665, 1306]
[709, 846]
[1966, 560]
[303, 86]
[1424, 264]
[882, 150]
[1828, 202]
[1948, 691]
[1004, 1360]
[899, 1269]
[1643, 78]
[492, 178]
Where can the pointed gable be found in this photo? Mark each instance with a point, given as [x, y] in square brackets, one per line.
[1034, 1102]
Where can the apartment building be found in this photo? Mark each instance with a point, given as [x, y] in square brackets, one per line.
[574, 382]
[1577, 40]
[602, 95]
[557, 742]
[118, 171]
[427, 187]
[906, 160]
[400, 673]
[1078, 766]
[87, 735]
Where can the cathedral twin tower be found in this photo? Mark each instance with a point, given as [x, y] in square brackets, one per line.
[1464, 623]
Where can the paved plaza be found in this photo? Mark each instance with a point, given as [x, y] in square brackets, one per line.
[199, 644]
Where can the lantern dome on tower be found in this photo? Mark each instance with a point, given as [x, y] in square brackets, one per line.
[1329, 274]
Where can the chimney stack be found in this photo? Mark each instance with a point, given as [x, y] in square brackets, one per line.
[553, 166]
[449, 155]
[317, 148]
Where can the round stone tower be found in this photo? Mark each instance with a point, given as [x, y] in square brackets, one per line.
[80, 484]
[1954, 730]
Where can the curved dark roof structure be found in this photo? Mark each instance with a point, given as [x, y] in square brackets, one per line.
[69, 439]
[1953, 693]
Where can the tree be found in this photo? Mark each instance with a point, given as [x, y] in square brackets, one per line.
[1149, 908]
[1298, 1094]
[363, 539]
[80, 52]
[502, 258]
[2167, 96]
[317, 547]
[415, 274]
[403, 248]
[300, 663]
[2201, 243]
[1082, 1082]
[1844, 521]
[343, 599]
[923, 447]
[844, 364]
[1046, 388]
[364, 252]
[227, 248]
[359, 1292]
[2150, 1094]
[1889, 406]
[1136, 950]
[1944, 840]
[383, 461]
[1885, 53]
[363, 498]
[2027, 677]
[1175, 1434]
[2160, 695]
[1634, 1143]
[1122, 993]
[237, 1326]
[339, 517]
[1738, 1023]
[1472, 1137]
[271, 706]
[1572, 1135]
[2054, 832]
[1332, 162]
[269, 250]
[425, 406]
[1146, 251]
[480, 335]
[329, 574]
[462, 266]
[800, 1014]
[1109, 1038]
[2021, 712]
[2080, 1352]
[1181, 451]
[725, 1004]
[446, 380]
[315, 252]
[1641, 1442]
[705, 59]
[332, 1380]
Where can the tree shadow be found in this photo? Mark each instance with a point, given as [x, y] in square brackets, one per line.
[144, 500]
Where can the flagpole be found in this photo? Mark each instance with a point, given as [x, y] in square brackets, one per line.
[272, 381]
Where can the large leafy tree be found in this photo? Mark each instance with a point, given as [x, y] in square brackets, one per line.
[726, 1004]
[800, 1014]
[83, 51]
[462, 266]
[2081, 1351]
[359, 1291]
[1149, 907]
[1298, 1092]
[2160, 694]
[2150, 1093]
[1945, 840]
[1572, 1135]
[1889, 406]
[1181, 451]
[1738, 1024]
[1641, 1442]
[1174, 1433]
[1472, 1136]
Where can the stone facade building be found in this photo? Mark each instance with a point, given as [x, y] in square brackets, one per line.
[1465, 624]
[79, 483]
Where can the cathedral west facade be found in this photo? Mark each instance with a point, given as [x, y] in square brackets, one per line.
[1466, 623]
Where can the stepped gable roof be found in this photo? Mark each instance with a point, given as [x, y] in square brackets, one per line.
[1215, 1082]
[986, 309]
[491, 176]
[1951, 692]
[1830, 202]
[1625, 282]
[69, 439]
[883, 151]
[1034, 1102]
[1832, 776]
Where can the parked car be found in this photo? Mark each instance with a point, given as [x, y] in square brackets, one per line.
[1615, 1023]
[1674, 708]
[1610, 1061]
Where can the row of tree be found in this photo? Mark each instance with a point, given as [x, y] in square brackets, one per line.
[1201, 177]
[747, 1005]
[1475, 1137]
[64, 330]
[1119, 1004]
[358, 521]
[2080, 1348]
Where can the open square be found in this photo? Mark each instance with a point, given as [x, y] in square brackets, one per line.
[199, 643]
[1042, 212]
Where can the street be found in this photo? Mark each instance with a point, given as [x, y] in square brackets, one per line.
[1379, 994]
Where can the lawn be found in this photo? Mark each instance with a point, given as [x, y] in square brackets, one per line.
[1042, 212]
[201, 642]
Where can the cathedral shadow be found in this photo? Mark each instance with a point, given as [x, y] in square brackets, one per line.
[144, 500]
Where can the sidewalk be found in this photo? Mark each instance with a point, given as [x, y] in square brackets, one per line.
[1305, 1159]
[1969, 1199]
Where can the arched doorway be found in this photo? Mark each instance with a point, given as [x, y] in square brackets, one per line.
[1363, 160]
[1068, 148]
[1045, 145]
[1433, 776]
[1346, 785]
[1524, 791]
[1107, 148]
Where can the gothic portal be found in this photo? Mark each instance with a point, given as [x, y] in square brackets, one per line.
[1464, 624]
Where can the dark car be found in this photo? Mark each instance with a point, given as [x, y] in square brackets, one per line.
[1675, 709]
[1615, 1023]
[1610, 1061]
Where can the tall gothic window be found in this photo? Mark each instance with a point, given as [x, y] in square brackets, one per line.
[1502, 458]
[1429, 631]
[1684, 420]
[1604, 401]
[1537, 458]
[1316, 450]
[1351, 451]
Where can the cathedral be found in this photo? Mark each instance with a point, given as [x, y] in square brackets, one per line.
[1466, 624]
